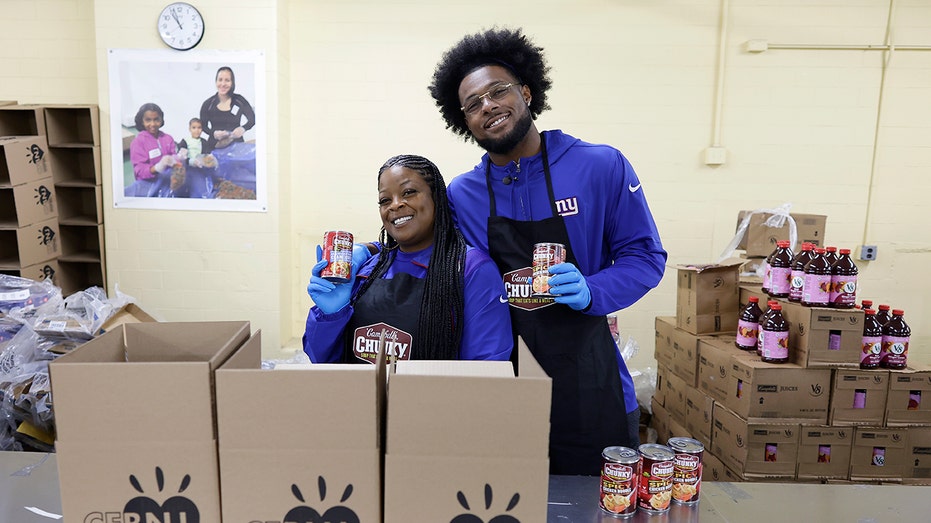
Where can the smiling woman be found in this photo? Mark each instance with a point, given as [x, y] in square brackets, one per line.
[426, 294]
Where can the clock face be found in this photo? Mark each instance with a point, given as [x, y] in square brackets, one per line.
[181, 26]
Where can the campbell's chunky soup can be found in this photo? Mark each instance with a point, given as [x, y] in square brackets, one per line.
[620, 479]
[686, 471]
[337, 251]
[545, 255]
[656, 470]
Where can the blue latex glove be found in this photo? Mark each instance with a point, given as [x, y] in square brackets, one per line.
[328, 296]
[569, 286]
[360, 255]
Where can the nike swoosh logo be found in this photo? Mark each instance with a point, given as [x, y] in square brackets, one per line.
[634, 188]
[502, 299]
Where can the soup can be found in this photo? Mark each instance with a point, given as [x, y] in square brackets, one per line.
[337, 251]
[656, 470]
[687, 468]
[545, 255]
[620, 478]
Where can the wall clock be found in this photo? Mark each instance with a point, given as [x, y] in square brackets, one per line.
[181, 26]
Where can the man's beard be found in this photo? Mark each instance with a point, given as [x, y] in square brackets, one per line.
[508, 142]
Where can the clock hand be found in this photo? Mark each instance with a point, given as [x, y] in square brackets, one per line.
[175, 16]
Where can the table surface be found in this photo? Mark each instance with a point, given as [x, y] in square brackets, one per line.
[30, 479]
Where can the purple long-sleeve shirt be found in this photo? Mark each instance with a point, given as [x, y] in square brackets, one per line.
[146, 150]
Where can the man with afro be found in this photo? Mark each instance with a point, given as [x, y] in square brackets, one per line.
[532, 187]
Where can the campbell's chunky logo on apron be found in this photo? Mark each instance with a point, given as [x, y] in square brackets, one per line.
[365, 342]
[519, 286]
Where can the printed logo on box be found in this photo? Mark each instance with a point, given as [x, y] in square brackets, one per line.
[144, 509]
[469, 517]
[306, 514]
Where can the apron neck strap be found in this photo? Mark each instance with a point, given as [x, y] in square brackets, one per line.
[493, 208]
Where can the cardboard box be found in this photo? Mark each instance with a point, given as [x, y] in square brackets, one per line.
[37, 272]
[29, 245]
[755, 450]
[22, 120]
[699, 413]
[676, 390]
[129, 313]
[80, 205]
[713, 469]
[28, 203]
[664, 351]
[72, 125]
[918, 456]
[760, 239]
[714, 365]
[858, 397]
[677, 429]
[134, 412]
[823, 337]
[660, 421]
[908, 402]
[659, 394]
[467, 431]
[76, 166]
[319, 428]
[706, 297]
[878, 454]
[824, 452]
[23, 159]
[759, 391]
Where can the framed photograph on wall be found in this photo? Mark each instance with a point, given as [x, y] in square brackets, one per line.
[188, 130]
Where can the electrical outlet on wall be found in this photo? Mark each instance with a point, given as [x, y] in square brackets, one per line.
[868, 252]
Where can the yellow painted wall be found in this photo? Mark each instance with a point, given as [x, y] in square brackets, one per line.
[833, 131]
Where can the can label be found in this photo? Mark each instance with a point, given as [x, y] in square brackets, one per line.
[545, 255]
[337, 251]
[824, 453]
[879, 457]
[619, 488]
[686, 478]
[655, 485]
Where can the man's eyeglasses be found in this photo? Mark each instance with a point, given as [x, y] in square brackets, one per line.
[474, 104]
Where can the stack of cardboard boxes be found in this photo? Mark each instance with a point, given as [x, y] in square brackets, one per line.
[51, 198]
[816, 418]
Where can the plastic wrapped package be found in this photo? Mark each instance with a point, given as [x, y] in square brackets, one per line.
[25, 397]
[16, 292]
[80, 316]
[645, 387]
[779, 217]
[299, 357]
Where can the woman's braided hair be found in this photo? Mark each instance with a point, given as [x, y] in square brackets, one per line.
[509, 48]
[442, 307]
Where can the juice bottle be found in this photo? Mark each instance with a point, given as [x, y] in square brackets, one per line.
[775, 334]
[798, 271]
[895, 341]
[780, 270]
[763, 317]
[748, 325]
[767, 274]
[830, 253]
[843, 281]
[883, 316]
[866, 304]
[817, 281]
[872, 341]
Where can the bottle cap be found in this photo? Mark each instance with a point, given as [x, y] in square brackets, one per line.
[819, 250]
[883, 307]
[867, 304]
[782, 243]
[869, 311]
[753, 299]
[807, 246]
[830, 249]
[897, 312]
[776, 307]
[844, 251]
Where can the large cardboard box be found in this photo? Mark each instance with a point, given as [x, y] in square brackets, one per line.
[676, 390]
[72, 125]
[30, 245]
[699, 413]
[21, 119]
[918, 456]
[37, 272]
[134, 412]
[659, 394]
[712, 469]
[908, 402]
[760, 238]
[858, 397]
[755, 450]
[28, 203]
[824, 452]
[129, 313]
[760, 391]
[23, 159]
[823, 337]
[714, 358]
[300, 442]
[467, 434]
[659, 421]
[878, 454]
[706, 297]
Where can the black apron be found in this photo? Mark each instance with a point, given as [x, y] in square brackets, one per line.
[390, 305]
[576, 350]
